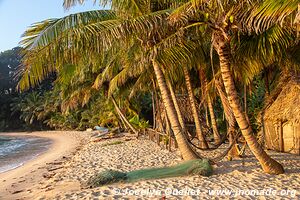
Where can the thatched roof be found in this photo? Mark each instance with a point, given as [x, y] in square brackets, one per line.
[286, 106]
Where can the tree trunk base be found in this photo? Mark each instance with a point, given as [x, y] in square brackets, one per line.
[273, 167]
[234, 152]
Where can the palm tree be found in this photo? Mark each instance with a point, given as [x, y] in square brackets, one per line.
[95, 36]
[268, 164]
[268, 13]
[185, 149]
[221, 25]
[122, 117]
[217, 137]
[199, 132]
[30, 106]
[207, 94]
[231, 132]
[76, 30]
[176, 105]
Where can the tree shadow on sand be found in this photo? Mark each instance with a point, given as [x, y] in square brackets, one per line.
[249, 164]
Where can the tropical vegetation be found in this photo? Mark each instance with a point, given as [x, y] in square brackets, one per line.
[226, 56]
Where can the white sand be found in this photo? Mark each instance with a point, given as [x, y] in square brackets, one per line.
[242, 175]
[20, 182]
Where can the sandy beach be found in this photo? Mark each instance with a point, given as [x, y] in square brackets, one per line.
[238, 179]
[19, 183]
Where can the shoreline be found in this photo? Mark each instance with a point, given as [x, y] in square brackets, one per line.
[21, 179]
[30, 152]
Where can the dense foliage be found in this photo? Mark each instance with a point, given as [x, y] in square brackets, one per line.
[9, 62]
[53, 105]
[108, 62]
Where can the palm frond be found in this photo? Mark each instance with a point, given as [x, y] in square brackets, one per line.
[43, 33]
[257, 51]
[69, 3]
[268, 13]
[50, 44]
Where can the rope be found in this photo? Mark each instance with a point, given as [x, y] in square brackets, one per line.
[222, 155]
[210, 149]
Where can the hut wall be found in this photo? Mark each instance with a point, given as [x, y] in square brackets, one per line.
[288, 137]
[281, 116]
[296, 149]
[283, 137]
[271, 136]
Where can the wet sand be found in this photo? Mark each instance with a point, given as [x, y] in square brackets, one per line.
[19, 183]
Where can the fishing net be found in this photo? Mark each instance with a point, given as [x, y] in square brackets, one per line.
[192, 167]
[106, 177]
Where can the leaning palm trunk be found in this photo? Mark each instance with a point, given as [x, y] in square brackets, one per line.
[123, 118]
[153, 110]
[176, 105]
[217, 137]
[201, 75]
[159, 123]
[199, 132]
[183, 145]
[232, 153]
[268, 164]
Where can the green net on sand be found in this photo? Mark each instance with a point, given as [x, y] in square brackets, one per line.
[192, 167]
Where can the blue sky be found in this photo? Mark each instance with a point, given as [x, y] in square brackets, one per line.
[17, 15]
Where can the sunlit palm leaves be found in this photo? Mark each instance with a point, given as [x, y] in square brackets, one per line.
[264, 15]
[50, 44]
[131, 8]
[115, 47]
[260, 51]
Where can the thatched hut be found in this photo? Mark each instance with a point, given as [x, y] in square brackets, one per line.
[281, 119]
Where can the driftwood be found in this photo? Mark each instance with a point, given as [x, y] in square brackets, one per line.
[17, 191]
[55, 163]
[107, 138]
[48, 175]
[55, 168]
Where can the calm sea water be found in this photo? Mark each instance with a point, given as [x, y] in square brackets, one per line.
[16, 150]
